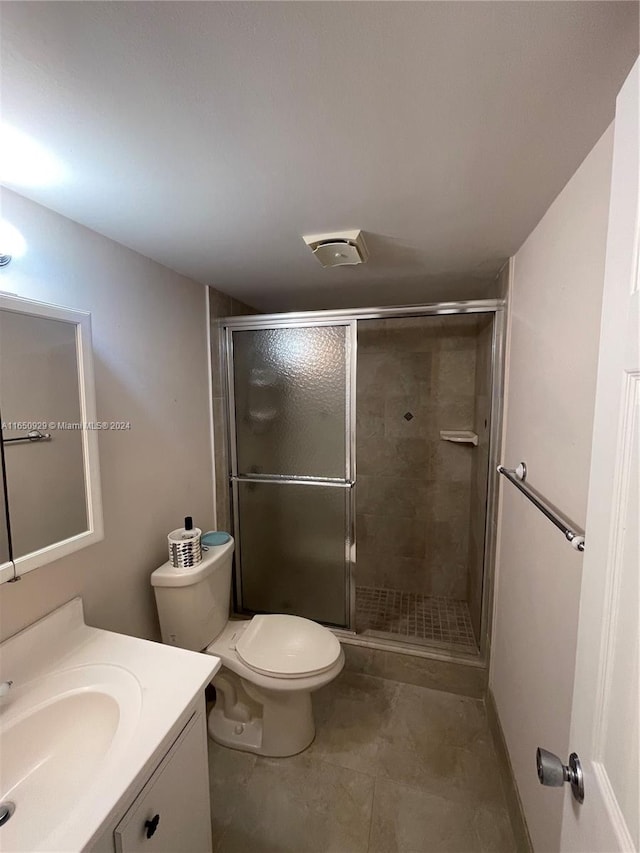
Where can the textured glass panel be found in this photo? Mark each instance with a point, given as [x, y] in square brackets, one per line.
[292, 547]
[290, 395]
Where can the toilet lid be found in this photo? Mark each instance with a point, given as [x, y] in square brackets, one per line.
[287, 646]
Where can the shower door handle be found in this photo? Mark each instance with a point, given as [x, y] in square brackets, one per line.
[302, 481]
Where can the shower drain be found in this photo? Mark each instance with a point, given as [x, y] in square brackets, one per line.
[6, 810]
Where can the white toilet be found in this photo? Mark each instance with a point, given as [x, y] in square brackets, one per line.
[270, 664]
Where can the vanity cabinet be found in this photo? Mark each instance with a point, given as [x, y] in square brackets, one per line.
[104, 740]
[171, 812]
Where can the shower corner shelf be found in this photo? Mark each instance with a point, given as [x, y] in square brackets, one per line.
[459, 436]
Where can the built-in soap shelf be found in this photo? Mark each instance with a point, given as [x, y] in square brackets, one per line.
[459, 436]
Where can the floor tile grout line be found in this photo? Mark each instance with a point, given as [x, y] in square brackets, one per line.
[373, 806]
[421, 789]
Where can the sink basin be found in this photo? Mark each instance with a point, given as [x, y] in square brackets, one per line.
[57, 732]
[89, 715]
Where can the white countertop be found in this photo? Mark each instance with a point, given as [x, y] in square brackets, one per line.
[154, 685]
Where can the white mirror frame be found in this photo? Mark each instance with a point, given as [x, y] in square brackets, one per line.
[12, 570]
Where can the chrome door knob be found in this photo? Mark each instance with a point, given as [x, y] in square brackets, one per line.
[553, 773]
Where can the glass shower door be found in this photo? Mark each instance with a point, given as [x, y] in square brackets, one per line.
[292, 468]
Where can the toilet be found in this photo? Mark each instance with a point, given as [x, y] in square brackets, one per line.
[270, 664]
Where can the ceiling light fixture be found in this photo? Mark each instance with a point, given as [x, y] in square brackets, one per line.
[12, 243]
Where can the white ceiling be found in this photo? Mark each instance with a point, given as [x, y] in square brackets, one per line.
[211, 135]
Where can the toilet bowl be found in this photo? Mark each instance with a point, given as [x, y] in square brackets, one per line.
[270, 664]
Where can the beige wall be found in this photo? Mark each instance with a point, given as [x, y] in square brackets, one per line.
[554, 319]
[150, 353]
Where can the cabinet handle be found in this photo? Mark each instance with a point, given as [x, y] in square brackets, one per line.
[152, 825]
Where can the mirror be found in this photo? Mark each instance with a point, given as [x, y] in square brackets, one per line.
[51, 497]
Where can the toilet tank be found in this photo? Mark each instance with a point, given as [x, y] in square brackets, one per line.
[193, 604]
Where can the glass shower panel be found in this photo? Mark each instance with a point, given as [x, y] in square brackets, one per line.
[291, 401]
[292, 547]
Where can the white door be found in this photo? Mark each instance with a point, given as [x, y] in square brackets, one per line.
[606, 700]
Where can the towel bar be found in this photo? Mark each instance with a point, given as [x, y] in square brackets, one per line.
[34, 435]
[517, 476]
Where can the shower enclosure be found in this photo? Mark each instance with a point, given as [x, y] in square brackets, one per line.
[361, 451]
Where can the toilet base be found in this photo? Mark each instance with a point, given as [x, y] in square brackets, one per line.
[258, 720]
[245, 736]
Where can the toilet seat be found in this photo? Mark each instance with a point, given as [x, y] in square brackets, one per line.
[284, 646]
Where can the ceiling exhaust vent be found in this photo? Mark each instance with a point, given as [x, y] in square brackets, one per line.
[336, 250]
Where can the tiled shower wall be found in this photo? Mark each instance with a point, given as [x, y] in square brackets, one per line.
[416, 376]
[221, 305]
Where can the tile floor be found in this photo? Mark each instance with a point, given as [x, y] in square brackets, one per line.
[421, 617]
[393, 769]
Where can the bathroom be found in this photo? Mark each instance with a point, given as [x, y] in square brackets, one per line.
[471, 336]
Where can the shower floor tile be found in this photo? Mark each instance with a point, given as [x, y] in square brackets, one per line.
[414, 616]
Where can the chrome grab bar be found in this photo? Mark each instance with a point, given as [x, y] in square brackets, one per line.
[34, 435]
[517, 476]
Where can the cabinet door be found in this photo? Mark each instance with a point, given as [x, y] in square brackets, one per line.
[172, 812]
